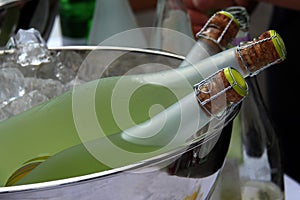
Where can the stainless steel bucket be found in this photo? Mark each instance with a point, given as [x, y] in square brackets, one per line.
[179, 175]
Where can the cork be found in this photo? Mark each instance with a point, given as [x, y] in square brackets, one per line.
[213, 96]
[256, 55]
[221, 29]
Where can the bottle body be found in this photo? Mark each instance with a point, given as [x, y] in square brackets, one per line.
[165, 132]
[60, 110]
[78, 161]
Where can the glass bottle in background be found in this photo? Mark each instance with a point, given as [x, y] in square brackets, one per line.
[262, 169]
[253, 168]
[240, 14]
[75, 18]
[172, 15]
[113, 17]
[213, 38]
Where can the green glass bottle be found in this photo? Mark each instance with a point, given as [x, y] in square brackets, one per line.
[75, 18]
[121, 103]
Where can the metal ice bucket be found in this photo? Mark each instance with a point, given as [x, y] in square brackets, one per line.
[177, 175]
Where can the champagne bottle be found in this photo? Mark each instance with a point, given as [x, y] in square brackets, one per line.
[216, 96]
[113, 17]
[253, 165]
[214, 37]
[262, 167]
[254, 157]
[121, 103]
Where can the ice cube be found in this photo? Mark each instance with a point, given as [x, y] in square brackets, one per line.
[25, 102]
[72, 83]
[11, 85]
[31, 48]
[48, 87]
[3, 115]
[68, 65]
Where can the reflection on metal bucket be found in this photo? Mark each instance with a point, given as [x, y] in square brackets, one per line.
[24, 14]
[187, 175]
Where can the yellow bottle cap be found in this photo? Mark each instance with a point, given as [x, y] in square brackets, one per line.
[278, 43]
[229, 15]
[236, 80]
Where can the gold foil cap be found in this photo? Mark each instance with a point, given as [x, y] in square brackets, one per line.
[221, 29]
[221, 91]
[260, 53]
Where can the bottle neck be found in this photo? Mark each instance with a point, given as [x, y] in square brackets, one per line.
[212, 98]
[210, 45]
[249, 59]
[199, 70]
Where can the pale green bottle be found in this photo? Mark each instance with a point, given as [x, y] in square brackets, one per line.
[216, 96]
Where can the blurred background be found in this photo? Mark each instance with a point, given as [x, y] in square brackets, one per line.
[56, 18]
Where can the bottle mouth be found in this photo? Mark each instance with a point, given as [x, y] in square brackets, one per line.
[219, 93]
[262, 52]
[278, 43]
[225, 26]
[236, 80]
[229, 15]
